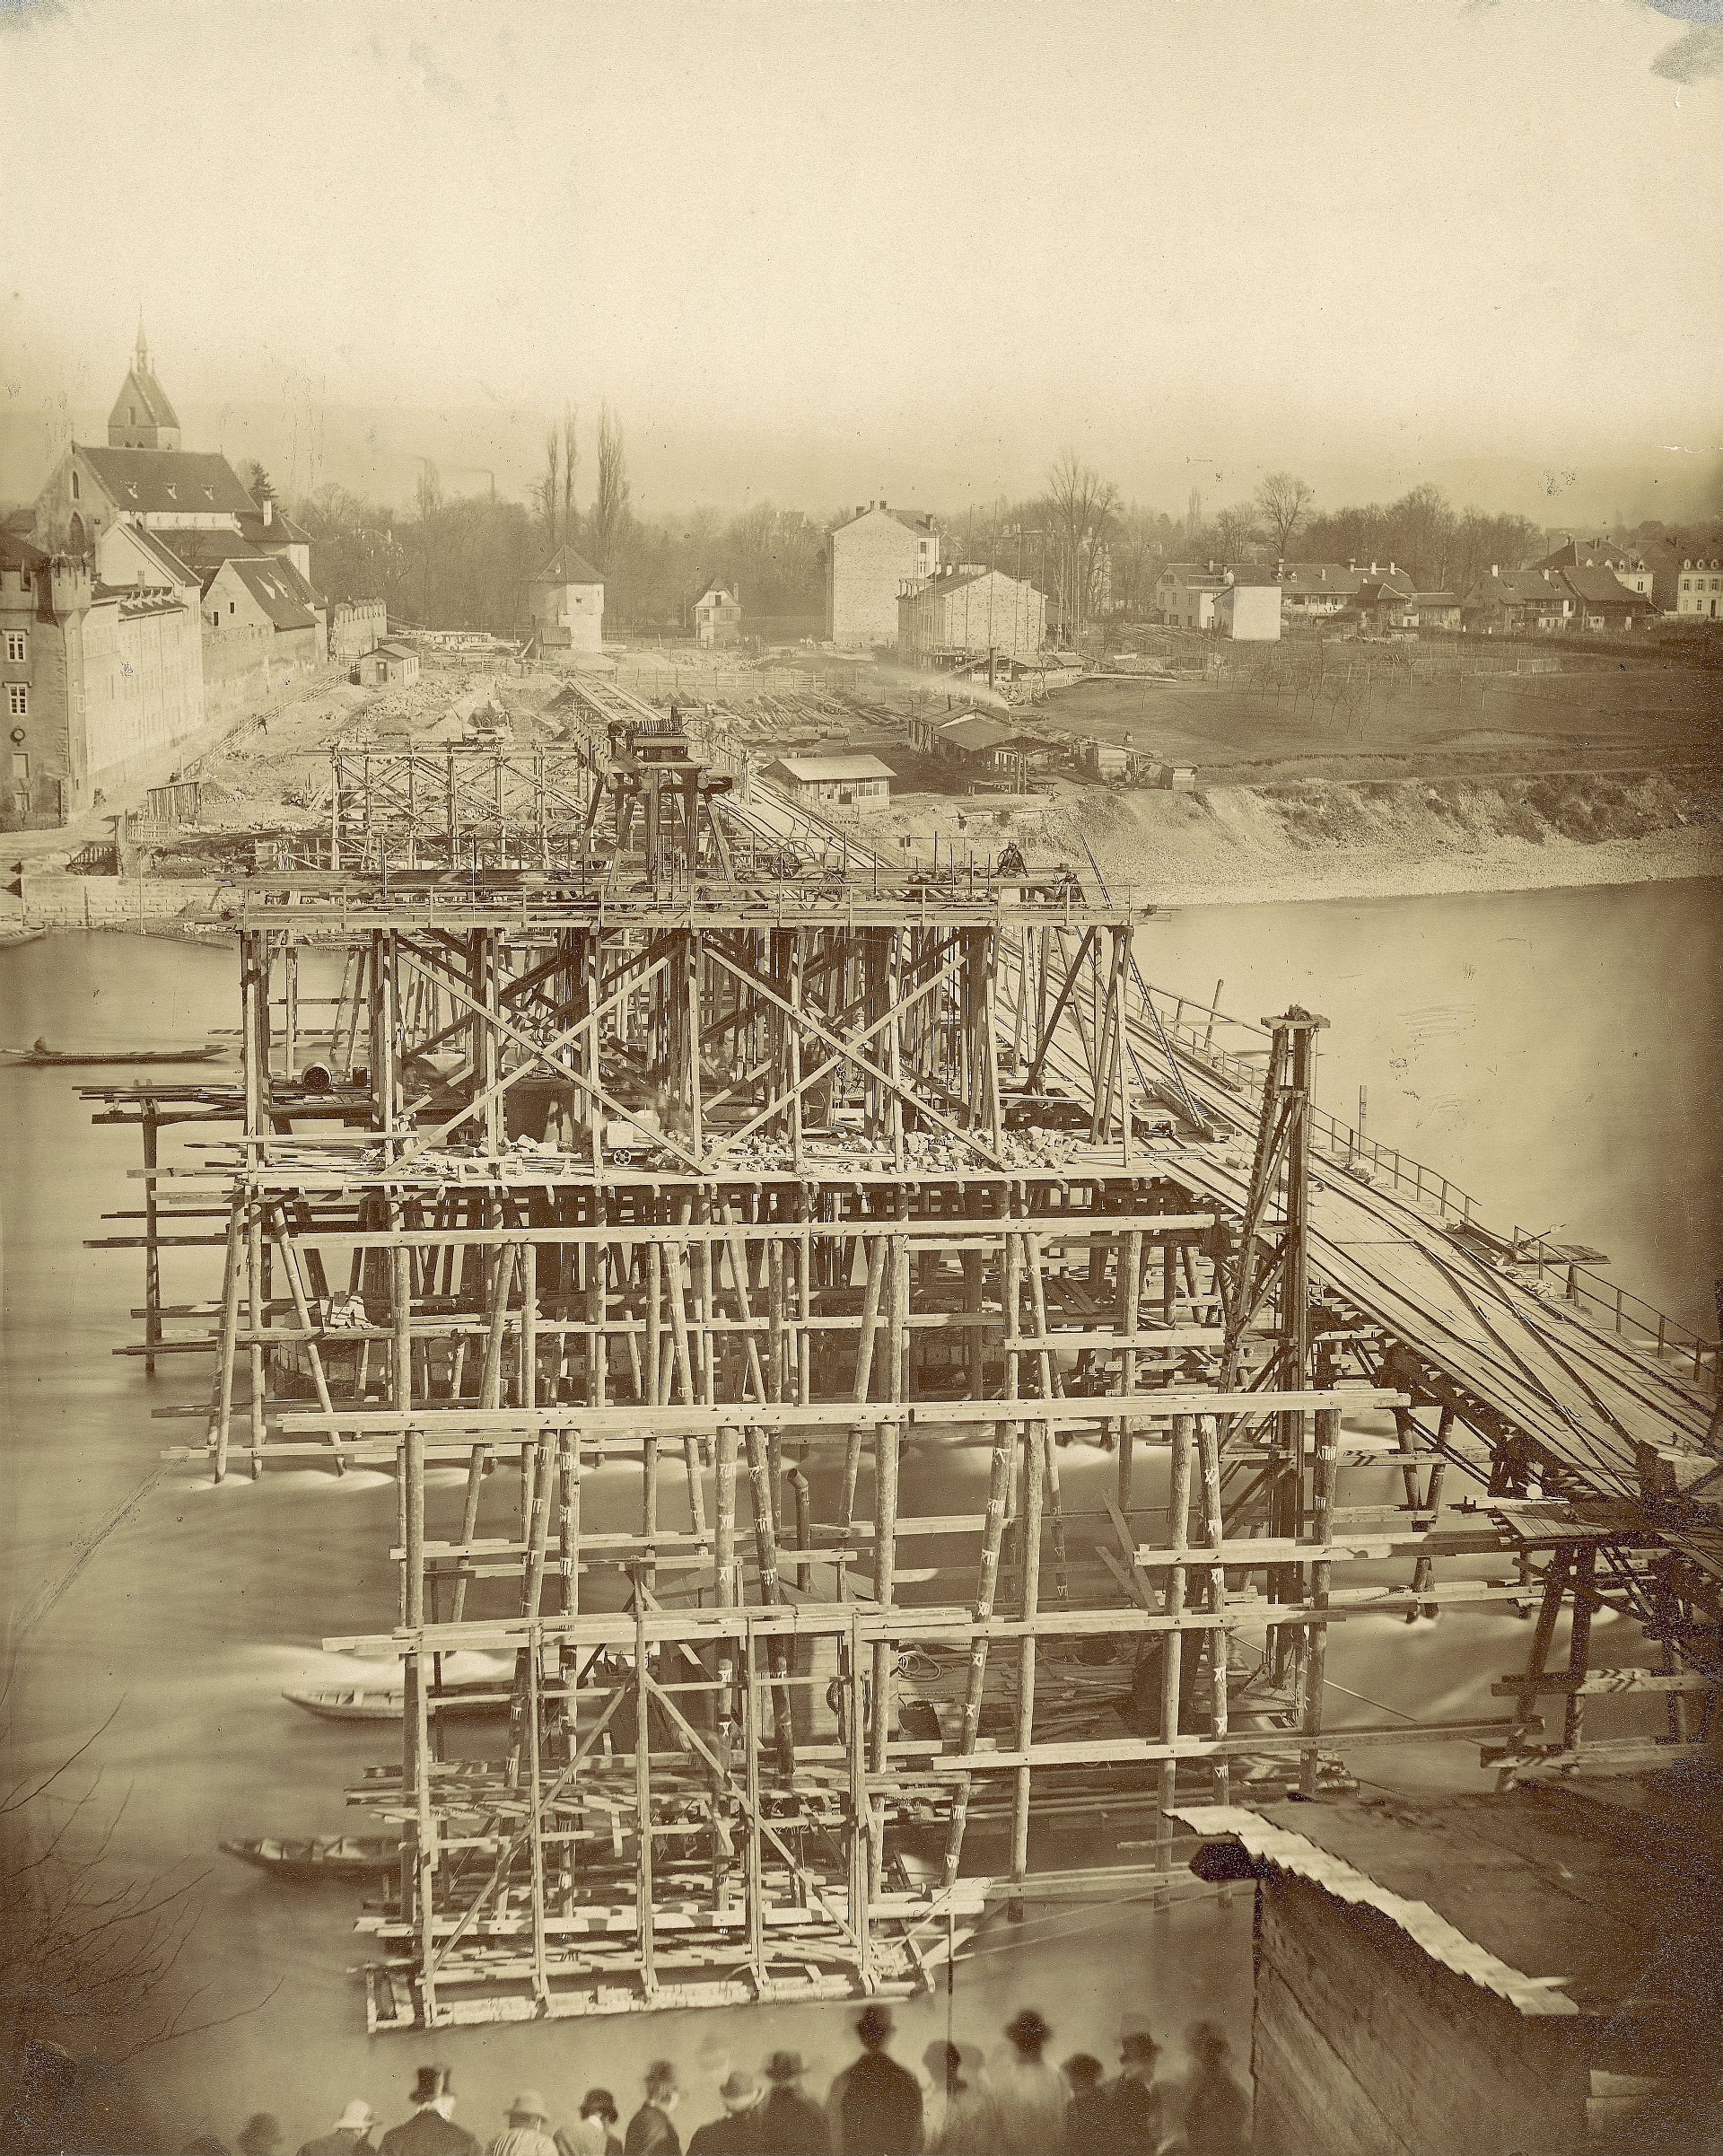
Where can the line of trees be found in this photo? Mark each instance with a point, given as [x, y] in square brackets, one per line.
[465, 561]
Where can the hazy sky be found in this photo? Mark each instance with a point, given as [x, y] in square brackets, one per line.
[941, 239]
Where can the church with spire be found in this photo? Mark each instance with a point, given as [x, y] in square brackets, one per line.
[155, 595]
[142, 416]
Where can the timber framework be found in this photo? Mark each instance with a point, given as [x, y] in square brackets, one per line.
[688, 1179]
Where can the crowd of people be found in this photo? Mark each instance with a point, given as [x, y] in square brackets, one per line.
[1018, 2103]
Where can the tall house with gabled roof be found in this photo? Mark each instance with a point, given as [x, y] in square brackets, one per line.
[142, 416]
[869, 561]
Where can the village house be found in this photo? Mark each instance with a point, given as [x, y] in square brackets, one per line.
[970, 610]
[1698, 587]
[839, 782]
[1185, 593]
[565, 601]
[1604, 605]
[1248, 608]
[717, 617]
[1516, 602]
[869, 561]
[1626, 564]
[1314, 591]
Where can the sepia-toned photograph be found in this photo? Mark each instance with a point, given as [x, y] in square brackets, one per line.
[862, 1078]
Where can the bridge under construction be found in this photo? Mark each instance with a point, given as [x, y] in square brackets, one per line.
[637, 1168]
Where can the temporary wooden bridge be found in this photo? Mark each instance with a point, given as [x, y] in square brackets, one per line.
[640, 1120]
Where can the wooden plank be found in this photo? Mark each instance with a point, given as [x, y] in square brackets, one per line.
[1596, 1681]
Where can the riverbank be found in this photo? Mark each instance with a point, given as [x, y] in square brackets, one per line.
[1251, 846]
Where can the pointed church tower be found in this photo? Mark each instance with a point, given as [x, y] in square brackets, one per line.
[142, 416]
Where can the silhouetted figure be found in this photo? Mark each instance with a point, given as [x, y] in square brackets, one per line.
[1030, 2094]
[595, 2134]
[874, 2108]
[787, 2124]
[1134, 2098]
[736, 2132]
[1217, 2110]
[431, 2130]
[1089, 2122]
[527, 2132]
[261, 2135]
[968, 2119]
[650, 2131]
[350, 2135]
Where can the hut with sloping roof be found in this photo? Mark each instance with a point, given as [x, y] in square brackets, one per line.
[1533, 1970]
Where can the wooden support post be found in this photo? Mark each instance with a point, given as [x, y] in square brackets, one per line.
[644, 1796]
[1585, 1572]
[1172, 1644]
[1130, 1292]
[221, 1418]
[1313, 1663]
[152, 1254]
[1037, 1439]
[1213, 1534]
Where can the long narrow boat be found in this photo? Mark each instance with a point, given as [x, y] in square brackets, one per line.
[354, 1703]
[44, 1058]
[343, 1856]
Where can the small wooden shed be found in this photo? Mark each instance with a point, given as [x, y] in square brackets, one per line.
[1536, 1971]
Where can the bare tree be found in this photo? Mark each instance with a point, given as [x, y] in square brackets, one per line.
[1283, 499]
[1081, 511]
[85, 1951]
[571, 461]
[1235, 533]
[550, 488]
[609, 516]
[428, 494]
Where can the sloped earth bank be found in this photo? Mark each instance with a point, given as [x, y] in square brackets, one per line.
[1243, 845]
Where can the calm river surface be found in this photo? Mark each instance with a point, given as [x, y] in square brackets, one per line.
[1554, 1052]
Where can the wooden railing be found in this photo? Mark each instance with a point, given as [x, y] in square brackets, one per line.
[1193, 1027]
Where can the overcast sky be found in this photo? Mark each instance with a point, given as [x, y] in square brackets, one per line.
[942, 238]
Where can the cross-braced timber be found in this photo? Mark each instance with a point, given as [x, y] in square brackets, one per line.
[612, 1116]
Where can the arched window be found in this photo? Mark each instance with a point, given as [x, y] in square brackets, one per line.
[76, 492]
[75, 538]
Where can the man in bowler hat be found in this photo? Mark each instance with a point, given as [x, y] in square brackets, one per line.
[874, 2108]
[431, 2130]
[788, 2124]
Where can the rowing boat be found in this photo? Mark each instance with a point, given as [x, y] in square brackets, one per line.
[350, 1702]
[39, 1058]
[318, 1856]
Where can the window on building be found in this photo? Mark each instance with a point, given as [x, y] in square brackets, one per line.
[18, 698]
[75, 494]
[17, 647]
[131, 413]
[230, 606]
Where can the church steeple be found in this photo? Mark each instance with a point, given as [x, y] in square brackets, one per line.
[142, 418]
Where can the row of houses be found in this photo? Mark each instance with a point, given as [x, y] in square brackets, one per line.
[1588, 586]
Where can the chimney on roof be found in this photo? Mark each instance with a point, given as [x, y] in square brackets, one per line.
[1495, 569]
[861, 509]
[268, 510]
[1372, 568]
[1351, 566]
[883, 504]
[1392, 570]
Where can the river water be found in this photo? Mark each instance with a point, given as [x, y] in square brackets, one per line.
[1554, 1052]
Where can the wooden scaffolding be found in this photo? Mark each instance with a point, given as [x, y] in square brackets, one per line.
[660, 1154]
